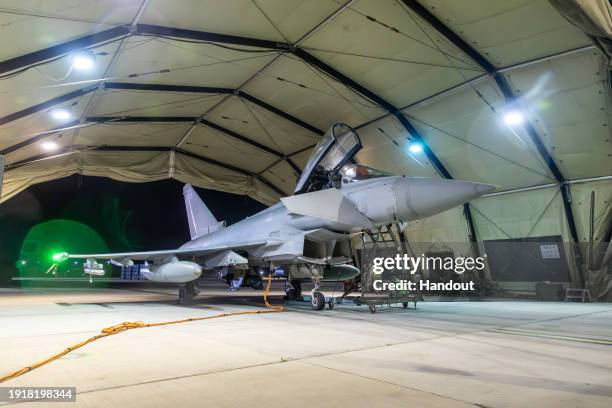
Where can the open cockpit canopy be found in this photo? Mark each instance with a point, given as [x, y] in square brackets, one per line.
[336, 148]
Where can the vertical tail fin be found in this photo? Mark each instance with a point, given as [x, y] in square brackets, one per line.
[201, 221]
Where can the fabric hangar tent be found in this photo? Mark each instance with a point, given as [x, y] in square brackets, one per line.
[233, 95]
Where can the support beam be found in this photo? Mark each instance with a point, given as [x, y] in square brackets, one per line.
[140, 119]
[280, 113]
[440, 168]
[345, 80]
[450, 35]
[47, 104]
[251, 142]
[64, 48]
[204, 36]
[38, 137]
[240, 137]
[131, 86]
[213, 90]
[511, 99]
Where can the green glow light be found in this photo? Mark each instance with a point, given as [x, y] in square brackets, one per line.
[60, 257]
[50, 242]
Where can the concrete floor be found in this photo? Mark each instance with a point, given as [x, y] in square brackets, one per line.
[454, 354]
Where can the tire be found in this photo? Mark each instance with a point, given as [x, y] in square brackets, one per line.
[182, 298]
[372, 309]
[298, 289]
[405, 305]
[256, 284]
[330, 304]
[317, 301]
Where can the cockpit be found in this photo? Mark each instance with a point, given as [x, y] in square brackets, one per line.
[332, 163]
[359, 172]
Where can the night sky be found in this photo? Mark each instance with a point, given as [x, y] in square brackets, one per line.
[127, 216]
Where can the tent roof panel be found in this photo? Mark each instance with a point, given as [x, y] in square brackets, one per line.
[238, 17]
[570, 103]
[508, 32]
[310, 95]
[385, 147]
[214, 144]
[99, 12]
[474, 141]
[402, 66]
[114, 102]
[131, 134]
[262, 126]
[158, 60]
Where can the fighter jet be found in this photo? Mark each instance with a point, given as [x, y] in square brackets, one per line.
[305, 236]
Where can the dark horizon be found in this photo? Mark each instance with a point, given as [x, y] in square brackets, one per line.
[127, 216]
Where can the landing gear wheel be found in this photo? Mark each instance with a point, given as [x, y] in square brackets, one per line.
[317, 301]
[298, 289]
[293, 291]
[372, 309]
[194, 288]
[182, 298]
[257, 284]
[405, 305]
[187, 291]
[330, 304]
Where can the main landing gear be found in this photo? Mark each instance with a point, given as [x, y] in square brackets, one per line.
[188, 291]
[293, 290]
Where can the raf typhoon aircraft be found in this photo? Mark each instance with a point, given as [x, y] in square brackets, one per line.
[306, 235]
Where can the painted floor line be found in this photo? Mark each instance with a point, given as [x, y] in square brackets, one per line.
[553, 336]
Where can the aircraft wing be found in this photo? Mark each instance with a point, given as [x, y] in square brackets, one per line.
[152, 255]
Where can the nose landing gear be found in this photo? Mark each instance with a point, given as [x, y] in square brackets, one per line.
[317, 301]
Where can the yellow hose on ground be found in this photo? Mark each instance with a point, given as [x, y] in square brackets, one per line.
[125, 326]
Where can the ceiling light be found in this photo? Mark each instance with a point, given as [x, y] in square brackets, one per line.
[83, 61]
[513, 118]
[49, 146]
[415, 147]
[61, 114]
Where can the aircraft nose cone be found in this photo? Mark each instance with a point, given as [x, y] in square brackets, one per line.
[482, 189]
[422, 197]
